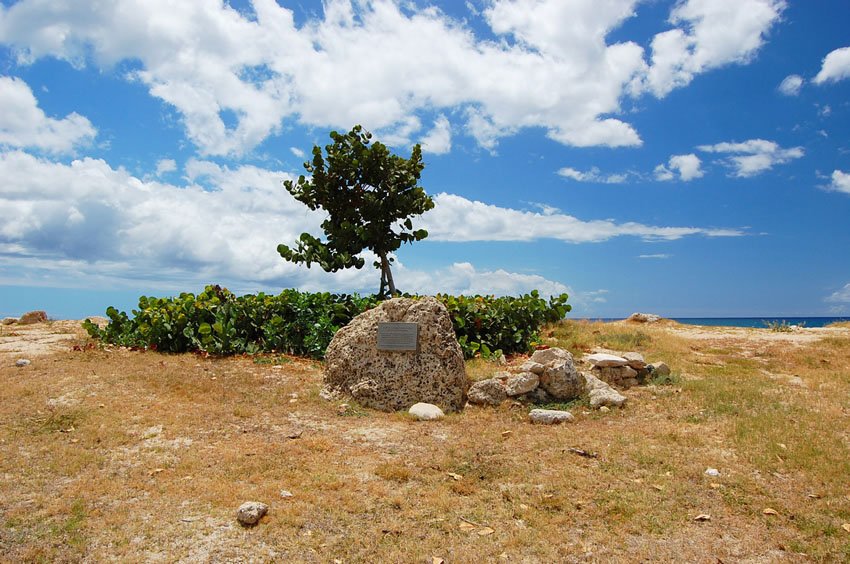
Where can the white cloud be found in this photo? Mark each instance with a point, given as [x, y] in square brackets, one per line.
[24, 124]
[840, 296]
[710, 34]
[655, 256]
[593, 175]
[688, 167]
[754, 156]
[439, 140]
[456, 219]
[836, 66]
[88, 219]
[791, 85]
[297, 152]
[354, 64]
[464, 278]
[164, 166]
[840, 181]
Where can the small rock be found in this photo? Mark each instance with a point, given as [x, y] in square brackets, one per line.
[636, 360]
[487, 392]
[604, 409]
[601, 397]
[426, 411]
[521, 384]
[548, 355]
[32, 317]
[604, 360]
[285, 493]
[549, 416]
[250, 513]
[538, 396]
[712, 472]
[22, 362]
[8, 321]
[659, 369]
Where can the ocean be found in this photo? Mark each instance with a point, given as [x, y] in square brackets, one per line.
[758, 322]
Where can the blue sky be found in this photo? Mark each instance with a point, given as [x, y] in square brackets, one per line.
[688, 158]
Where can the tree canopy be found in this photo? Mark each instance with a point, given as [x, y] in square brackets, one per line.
[370, 196]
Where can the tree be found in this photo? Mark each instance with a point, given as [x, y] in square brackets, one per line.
[369, 195]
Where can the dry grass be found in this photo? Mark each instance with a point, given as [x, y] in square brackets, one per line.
[131, 456]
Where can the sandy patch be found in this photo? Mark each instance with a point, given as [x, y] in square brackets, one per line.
[39, 339]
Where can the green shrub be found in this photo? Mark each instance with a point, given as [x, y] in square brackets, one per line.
[303, 323]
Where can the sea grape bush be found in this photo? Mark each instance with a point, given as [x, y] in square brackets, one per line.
[303, 323]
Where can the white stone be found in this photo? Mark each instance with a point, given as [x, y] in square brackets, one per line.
[521, 384]
[714, 472]
[533, 367]
[604, 360]
[549, 416]
[601, 394]
[22, 362]
[426, 411]
[604, 409]
[250, 512]
[559, 379]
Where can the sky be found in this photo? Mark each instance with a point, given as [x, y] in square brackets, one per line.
[688, 158]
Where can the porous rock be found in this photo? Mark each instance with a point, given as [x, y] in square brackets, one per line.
[559, 379]
[389, 380]
[32, 317]
[549, 416]
[537, 396]
[531, 366]
[426, 411]
[605, 360]
[619, 376]
[601, 394]
[487, 392]
[250, 512]
[644, 318]
[8, 321]
[521, 384]
[635, 360]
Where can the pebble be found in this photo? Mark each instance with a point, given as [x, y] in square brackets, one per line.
[22, 362]
[712, 472]
[250, 512]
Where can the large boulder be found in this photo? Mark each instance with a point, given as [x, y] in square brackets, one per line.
[559, 379]
[391, 381]
[33, 317]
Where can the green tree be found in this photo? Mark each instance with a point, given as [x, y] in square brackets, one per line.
[369, 195]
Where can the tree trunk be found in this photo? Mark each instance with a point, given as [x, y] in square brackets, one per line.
[386, 277]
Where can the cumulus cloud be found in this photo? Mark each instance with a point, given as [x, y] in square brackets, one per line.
[455, 218]
[439, 140]
[836, 66]
[24, 124]
[297, 152]
[353, 64]
[791, 85]
[754, 156]
[165, 166]
[688, 167]
[708, 34]
[840, 181]
[592, 175]
[89, 218]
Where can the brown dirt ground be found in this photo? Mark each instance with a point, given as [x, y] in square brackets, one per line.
[111, 454]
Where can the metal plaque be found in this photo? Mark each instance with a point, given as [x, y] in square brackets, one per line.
[398, 336]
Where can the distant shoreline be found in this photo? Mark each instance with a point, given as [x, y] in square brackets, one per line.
[752, 322]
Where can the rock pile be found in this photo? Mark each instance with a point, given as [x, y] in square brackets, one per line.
[549, 376]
